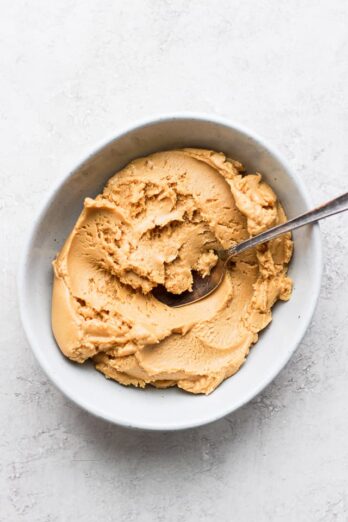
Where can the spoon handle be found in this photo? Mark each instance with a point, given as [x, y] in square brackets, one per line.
[339, 204]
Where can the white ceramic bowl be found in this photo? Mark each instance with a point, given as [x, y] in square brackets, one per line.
[151, 408]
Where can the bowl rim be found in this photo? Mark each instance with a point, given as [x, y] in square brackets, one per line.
[21, 277]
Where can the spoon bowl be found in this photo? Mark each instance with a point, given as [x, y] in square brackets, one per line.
[201, 288]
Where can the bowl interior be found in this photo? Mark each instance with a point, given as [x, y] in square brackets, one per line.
[172, 408]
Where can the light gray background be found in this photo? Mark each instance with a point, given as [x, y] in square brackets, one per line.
[72, 73]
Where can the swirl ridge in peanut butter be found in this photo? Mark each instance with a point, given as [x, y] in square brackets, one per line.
[150, 226]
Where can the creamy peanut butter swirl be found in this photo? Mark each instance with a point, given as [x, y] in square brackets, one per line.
[152, 225]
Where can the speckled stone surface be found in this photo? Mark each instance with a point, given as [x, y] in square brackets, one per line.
[72, 73]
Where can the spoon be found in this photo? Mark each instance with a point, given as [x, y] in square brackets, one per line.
[203, 286]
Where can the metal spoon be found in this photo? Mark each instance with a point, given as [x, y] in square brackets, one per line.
[203, 286]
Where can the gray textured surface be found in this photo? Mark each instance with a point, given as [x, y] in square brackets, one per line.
[71, 74]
